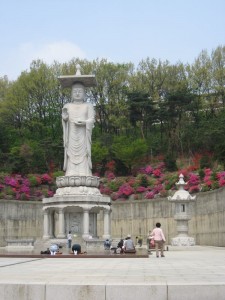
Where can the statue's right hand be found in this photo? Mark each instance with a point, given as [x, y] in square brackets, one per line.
[65, 114]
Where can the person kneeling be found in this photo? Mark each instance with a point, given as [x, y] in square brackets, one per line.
[76, 248]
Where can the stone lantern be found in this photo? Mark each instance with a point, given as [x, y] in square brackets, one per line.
[183, 208]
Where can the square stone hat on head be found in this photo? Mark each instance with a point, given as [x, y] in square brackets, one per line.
[69, 80]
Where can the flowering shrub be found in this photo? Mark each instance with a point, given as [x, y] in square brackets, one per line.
[193, 183]
[11, 181]
[163, 193]
[46, 179]
[114, 196]
[221, 178]
[114, 184]
[154, 182]
[143, 180]
[140, 189]
[50, 193]
[110, 175]
[208, 172]
[194, 189]
[193, 179]
[125, 190]
[222, 182]
[150, 182]
[22, 188]
[148, 170]
[149, 195]
[133, 182]
[111, 166]
[105, 190]
[158, 188]
[35, 180]
[157, 172]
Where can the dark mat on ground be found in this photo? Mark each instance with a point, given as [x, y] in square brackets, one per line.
[85, 255]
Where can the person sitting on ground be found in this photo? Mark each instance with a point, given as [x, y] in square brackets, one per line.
[121, 246]
[107, 244]
[129, 245]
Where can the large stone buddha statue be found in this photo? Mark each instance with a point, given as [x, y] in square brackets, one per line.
[78, 120]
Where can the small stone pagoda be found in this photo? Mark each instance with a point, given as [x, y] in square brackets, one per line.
[183, 208]
[77, 200]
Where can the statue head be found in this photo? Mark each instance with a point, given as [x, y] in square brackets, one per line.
[78, 92]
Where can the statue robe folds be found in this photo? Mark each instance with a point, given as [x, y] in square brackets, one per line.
[77, 138]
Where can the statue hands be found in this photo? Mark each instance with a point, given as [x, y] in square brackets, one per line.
[80, 122]
[65, 114]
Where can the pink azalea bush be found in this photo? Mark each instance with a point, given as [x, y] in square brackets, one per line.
[221, 178]
[193, 184]
[125, 190]
[32, 187]
[148, 183]
[151, 182]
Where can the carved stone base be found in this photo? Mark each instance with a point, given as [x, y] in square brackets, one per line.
[78, 190]
[77, 185]
[77, 181]
[183, 241]
[63, 200]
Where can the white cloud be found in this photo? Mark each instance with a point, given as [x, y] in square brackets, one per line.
[60, 51]
[19, 59]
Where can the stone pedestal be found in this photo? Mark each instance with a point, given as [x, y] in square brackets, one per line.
[74, 207]
[183, 241]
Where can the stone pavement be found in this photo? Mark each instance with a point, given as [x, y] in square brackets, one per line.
[196, 273]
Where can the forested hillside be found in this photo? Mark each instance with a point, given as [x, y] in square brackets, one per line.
[142, 112]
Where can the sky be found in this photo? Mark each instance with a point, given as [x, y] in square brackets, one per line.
[120, 31]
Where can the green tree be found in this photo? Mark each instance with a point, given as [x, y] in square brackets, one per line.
[142, 112]
[31, 110]
[110, 96]
[218, 69]
[99, 154]
[129, 152]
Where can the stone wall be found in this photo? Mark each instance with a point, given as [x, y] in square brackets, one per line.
[207, 225]
[137, 217]
[21, 219]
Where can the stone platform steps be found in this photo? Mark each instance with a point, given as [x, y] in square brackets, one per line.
[196, 273]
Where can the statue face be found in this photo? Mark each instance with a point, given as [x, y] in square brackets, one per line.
[78, 92]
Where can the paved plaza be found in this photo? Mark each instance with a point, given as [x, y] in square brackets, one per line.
[185, 273]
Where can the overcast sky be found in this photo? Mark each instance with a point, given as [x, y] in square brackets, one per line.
[119, 30]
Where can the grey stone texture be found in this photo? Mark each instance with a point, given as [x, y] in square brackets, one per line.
[196, 273]
[21, 219]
